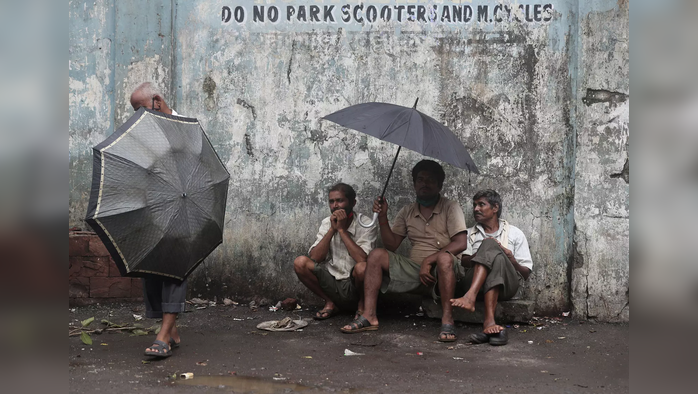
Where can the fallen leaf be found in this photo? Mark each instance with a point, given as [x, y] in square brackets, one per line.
[85, 338]
[548, 341]
[87, 322]
[148, 362]
[307, 356]
[139, 332]
[104, 344]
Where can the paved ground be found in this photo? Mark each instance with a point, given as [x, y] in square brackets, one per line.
[226, 353]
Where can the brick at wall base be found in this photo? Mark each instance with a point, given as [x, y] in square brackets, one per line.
[73, 302]
[105, 287]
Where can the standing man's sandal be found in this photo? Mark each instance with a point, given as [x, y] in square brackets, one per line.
[159, 349]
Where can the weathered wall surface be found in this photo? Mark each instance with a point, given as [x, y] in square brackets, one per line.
[601, 270]
[510, 90]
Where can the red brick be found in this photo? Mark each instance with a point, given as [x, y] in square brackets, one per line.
[88, 267]
[110, 287]
[113, 269]
[96, 247]
[78, 245]
[136, 287]
[79, 288]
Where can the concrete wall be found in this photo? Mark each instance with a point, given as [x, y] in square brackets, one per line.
[512, 91]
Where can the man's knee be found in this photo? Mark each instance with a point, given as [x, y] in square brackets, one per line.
[444, 262]
[377, 256]
[359, 271]
[301, 263]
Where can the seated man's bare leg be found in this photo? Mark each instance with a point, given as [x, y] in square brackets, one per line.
[489, 325]
[359, 274]
[378, 261]
[447, 285]
[467, 302]
[304, 266]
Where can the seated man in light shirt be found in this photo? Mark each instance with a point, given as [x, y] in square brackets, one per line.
[328, 270]
[498, 261]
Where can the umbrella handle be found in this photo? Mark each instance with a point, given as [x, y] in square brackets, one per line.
[367, 225]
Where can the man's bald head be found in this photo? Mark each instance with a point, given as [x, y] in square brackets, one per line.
[148, 96]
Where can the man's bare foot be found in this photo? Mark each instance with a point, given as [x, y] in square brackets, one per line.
[464, 302]
[493, 329]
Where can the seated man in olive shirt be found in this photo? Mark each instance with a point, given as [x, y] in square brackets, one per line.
[436, 228]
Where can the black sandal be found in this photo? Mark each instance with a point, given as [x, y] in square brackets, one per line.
[359, 325]
[447, 329]
[160, 349]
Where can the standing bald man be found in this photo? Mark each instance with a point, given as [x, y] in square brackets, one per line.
[164, 298]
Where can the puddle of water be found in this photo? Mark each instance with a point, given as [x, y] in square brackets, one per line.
[243, 384]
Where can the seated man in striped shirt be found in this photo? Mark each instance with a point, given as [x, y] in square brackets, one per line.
[498, 261]
[328, 269]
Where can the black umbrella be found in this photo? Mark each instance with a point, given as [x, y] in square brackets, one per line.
[158, 195]
[405, 127]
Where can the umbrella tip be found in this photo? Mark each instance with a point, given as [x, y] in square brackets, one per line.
[415, 103]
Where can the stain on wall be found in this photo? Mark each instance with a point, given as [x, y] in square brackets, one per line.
[514, 92]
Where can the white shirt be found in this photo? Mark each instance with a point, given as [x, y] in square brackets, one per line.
[339, 261]
[509, 236]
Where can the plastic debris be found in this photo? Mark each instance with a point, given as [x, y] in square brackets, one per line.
[253, 305]
[275, 378]
[137, 317]
[560, 337]
[187, 375]
[458, 358]
[202, 363]
[420, 353]
[348, 352]
[530, 342]
[307, 356]
[516, 326]
[273, 308]
[565, 314]
[228, 302]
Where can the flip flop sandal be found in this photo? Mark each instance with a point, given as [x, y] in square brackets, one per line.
[161, 349]
[327, 314]
[173, 344]
[447, 329]
[500, 338]
[479, 338]
[359, 325]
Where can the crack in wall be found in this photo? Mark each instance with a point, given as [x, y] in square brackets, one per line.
[290, 61]
[249, 106]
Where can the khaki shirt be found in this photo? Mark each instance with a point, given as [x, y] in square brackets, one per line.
[339, 261]
[429, 235]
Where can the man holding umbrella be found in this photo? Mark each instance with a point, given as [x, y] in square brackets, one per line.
[164, 298]
[436, 228]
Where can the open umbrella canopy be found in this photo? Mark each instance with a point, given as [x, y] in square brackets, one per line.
[158, 195]
[408, 128]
